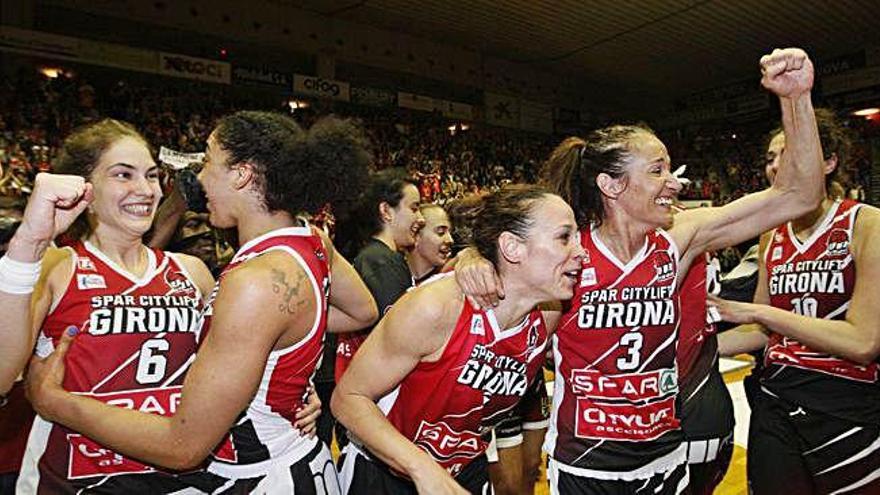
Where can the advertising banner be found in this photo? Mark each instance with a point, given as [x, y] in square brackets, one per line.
[321, 88]
[200, 69]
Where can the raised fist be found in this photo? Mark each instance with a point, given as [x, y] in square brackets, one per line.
[787, 73]
[53, 205]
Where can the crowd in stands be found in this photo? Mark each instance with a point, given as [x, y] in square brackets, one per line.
[36, 112]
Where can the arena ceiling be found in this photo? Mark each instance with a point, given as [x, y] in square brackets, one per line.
[650, 49]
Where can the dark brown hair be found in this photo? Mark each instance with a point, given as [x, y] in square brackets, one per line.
[574, 165]
[81, 152]
[836, 140]
[507, 210]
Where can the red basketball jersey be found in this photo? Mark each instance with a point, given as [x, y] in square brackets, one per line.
[136, 341]
[447, 406]
[614, 405]
[816, 278]
[264, 432]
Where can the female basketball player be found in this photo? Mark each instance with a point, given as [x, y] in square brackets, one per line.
[444, 373]
[130, 300]
[261, 332]
[614, 423]
[815, 419]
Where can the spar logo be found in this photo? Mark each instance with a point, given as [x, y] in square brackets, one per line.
[632, 386]
[838, 243]
[444, 443]
[664, 268]
[88, 459]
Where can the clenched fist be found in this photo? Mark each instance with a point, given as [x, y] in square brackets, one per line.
[787, 73]
[54, 204]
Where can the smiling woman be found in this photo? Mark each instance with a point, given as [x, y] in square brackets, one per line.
[444, 373]
[237, 411]
[615, 424]
[136, 306]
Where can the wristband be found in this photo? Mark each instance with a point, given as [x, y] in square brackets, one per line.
[17, 277]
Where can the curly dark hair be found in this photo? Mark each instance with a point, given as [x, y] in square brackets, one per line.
[81, 151]
[574, 165]
[298, 171]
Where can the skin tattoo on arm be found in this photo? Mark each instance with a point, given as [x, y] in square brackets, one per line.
[287, 291]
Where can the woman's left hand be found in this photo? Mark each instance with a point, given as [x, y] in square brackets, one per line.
[307, 417]
[45, 376]
[733, 311]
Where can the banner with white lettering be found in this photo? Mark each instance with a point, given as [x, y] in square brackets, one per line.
[178, 159]
[502, 110]
[200, 69]
[261, 76]
[321, 88]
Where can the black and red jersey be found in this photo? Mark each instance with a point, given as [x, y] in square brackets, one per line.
[614, 405]
[137, 337]
[816, 278]
[264, 432]
[445, 407]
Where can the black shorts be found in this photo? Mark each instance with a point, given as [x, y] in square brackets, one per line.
[796, 450]
[672, 482]
[708, 461]
[360, 475]
[531, 413]
[314, 474]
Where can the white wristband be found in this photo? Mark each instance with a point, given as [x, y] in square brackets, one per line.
[17, 277]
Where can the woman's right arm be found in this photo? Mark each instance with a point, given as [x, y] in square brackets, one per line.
[478, 279]
[29, 267]
[352, 307]
[405, 336]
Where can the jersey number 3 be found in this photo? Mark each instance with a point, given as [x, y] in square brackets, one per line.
[632, 341]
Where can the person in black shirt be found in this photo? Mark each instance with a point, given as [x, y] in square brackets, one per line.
[389, 222]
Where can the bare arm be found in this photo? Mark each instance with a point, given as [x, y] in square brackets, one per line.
[19, 334]
[478, 279]
[352, 307]
[218, 386]
[741, 339]
[856, 338]
[167, 218]
[54, 204]
[415, 328]
[799, 185]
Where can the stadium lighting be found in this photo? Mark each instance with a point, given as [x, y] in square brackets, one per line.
[51, 72]
[297, 104]
[866, 112]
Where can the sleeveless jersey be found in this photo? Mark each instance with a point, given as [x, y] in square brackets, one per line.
[614, 411]
[816, 278]
[704, 406]
[264, 432]
[136, 341]
[446, 407]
